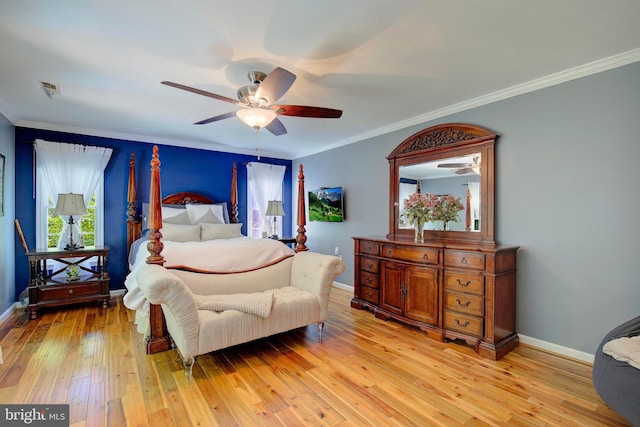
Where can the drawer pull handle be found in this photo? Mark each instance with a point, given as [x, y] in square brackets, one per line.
[460, 324]
[70, 291]
[425, 256]
[369, 279]
[369, 294]
[467, 283]
[369, 264]
[460, 303]
[464, 261]
[389, 252]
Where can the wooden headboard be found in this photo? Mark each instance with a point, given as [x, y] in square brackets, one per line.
[186, 197]
[134, 223]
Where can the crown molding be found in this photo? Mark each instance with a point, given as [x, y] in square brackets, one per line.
[594, 67]
[203, 145]
[588, 69]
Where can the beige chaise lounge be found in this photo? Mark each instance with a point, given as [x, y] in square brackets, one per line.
[296, 291]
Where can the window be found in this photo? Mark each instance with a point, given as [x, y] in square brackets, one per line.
[48, 228]
[69, 168]
[264, 184]
[87, 224]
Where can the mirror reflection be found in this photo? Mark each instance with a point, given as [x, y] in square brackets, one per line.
[453, 176]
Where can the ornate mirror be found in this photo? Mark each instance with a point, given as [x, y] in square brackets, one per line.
[450, 159]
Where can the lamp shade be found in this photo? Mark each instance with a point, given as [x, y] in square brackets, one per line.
[274, 208]
[256, 117]
[70, 204]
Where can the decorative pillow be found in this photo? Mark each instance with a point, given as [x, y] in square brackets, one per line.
[175, 216]
[180, 232]
[220, 231]
[145, 214]
[225, 211]
[205, 213]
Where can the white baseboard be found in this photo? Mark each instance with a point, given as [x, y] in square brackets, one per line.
[533, 342]
[9, 311]
[558, 349]
[342, 286]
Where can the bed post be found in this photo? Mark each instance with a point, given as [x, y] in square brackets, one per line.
[234, 195]
[301, 238]
[158, 339]
[133, 226]
[155, 246]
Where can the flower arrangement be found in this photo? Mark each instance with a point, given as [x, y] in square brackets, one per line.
[418, 208]
[447, 209]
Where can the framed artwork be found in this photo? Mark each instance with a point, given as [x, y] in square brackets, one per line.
[1, 185]
[326, 205]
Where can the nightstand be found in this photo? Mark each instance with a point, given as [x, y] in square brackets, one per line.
[52, 288]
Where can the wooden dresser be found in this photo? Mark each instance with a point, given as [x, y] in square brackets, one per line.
[465, 292]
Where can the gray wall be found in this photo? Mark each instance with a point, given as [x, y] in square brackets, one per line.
[7, 231]
[567, 173]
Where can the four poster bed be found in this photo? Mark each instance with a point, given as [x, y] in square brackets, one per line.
[197, 254]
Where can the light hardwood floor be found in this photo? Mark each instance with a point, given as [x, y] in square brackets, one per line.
[365, 371]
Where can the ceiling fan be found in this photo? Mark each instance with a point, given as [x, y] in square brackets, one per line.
[464, 168]
[257, 102]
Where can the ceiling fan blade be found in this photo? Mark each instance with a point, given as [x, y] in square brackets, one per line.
[276, 127]
[464, 171]
[305, 111]
[454, 165]
[216, 118]
[201, 92]
[276, 84]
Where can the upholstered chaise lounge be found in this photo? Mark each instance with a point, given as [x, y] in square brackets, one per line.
[297, 290]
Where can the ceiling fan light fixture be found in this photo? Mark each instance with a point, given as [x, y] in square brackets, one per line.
[256, 117]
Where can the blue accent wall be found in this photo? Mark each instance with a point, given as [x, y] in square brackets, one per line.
[182, 169]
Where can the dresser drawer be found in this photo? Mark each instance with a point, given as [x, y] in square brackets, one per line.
[464, 323]
[370, 295]
[464, 282]
[369, 264]
[368, 247]
[464, 303]
[464, 259]
[54, 293]
[412, 254]
[369, 279]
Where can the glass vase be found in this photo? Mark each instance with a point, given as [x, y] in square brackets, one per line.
[419, 231]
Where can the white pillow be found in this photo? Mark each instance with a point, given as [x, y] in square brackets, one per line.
[180, 232]
[175, 216]
[220, 231]
[205, 213]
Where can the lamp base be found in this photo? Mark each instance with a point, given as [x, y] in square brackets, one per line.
[72, 246]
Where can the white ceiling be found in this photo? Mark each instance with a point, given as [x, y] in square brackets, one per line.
[386, 64]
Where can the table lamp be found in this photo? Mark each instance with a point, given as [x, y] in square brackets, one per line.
[275, 209]
[70, 204]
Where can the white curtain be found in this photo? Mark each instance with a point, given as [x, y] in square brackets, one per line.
[265, 183]
[70, 168]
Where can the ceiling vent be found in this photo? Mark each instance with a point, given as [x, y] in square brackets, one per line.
[50, 88]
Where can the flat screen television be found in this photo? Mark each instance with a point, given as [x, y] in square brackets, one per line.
[326, 205]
